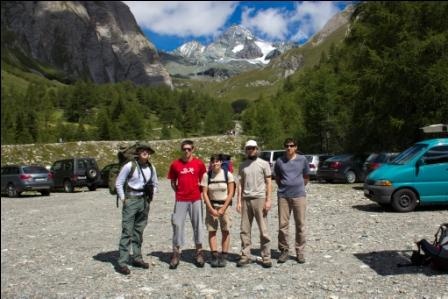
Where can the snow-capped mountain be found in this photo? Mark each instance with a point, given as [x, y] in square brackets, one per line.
[236, 44]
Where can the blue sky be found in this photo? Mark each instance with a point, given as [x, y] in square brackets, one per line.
[169, 24]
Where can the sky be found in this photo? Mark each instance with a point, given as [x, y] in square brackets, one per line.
[169, 24]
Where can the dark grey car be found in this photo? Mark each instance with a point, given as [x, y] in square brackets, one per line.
[75, 172]
[19, 178]
[347, 168]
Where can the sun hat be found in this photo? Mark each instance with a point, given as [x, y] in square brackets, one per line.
[251, 143]
[145, 146]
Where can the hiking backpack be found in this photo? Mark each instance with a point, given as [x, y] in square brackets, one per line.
[436, 253]
[125, 154]
[226, 165]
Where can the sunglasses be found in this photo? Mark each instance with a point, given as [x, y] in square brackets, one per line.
[290, 145]
[187, 149]
[250, 148]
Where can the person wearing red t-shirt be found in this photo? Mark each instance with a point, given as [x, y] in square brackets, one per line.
[185, 175]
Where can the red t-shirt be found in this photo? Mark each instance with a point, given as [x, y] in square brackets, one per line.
[188, 176]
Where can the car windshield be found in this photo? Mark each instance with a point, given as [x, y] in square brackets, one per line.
[409, 154]
[339, 158]
[372, 157]
[309, 158]
[34, 169]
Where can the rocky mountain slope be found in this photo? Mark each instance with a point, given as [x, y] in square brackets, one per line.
[235, 51]
[98, 40]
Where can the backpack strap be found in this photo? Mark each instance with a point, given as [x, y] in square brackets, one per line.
[209, 174]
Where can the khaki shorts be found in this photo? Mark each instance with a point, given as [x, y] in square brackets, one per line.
[224, 221]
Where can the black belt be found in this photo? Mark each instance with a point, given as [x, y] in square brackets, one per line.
[219, 202]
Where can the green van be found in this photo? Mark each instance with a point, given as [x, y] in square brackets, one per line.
[419, 175]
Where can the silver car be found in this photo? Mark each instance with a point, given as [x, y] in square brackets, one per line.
[19, 178]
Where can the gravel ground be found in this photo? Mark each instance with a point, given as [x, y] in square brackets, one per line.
[65, 246]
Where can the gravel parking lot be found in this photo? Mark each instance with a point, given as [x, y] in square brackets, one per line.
[65, 246]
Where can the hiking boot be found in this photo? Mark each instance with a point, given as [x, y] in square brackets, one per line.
[266, 263]
[300, 258]
[174, 260]
[284, 256]
[123, 270]
[215, 260]
[244, 261]
[222, 260]
[199, 259]
[140, 264]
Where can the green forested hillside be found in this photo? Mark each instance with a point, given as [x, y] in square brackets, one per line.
[374, 90]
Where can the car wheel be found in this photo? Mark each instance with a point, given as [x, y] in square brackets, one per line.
[92, 188]
[92, 173]
[68, 186]
[45, 192]
[404, 200]
[350, 177]
[12, 191]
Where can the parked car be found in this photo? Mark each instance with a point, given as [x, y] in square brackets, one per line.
[346, 167]
[375, 160]
[75, 172]
[417, 176]
[104, 174]
[271, 156]
[19, 178]
[314, 161]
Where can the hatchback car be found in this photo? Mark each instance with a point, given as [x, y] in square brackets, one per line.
[19, 178]
[419, 175]
[347, 168]
[375, 160]
[314, 162]
[104, 174]
[75, 172]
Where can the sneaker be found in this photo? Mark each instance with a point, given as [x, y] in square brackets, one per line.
[199, 259]
[222, 261]
[266, 263]
[123, 270]
[300, 258]
[284, 256]
[215, 260]
[174, 260]
[140, 264]
[244, 261]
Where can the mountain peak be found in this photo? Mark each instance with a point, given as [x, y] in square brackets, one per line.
[237, 34]
[191, 49]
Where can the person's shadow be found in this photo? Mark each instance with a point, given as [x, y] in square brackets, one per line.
[108, 257]
[188, 256]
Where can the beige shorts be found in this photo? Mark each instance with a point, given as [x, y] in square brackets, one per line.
[224, 221]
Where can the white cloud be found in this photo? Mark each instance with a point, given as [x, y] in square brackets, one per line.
[310, 17]
[271, 22]
[202, 18]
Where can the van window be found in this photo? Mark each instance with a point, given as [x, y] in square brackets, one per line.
[278, 154]
[438, 154]
[409, 154]
[266, 156]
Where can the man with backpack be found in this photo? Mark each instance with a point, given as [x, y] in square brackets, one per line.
[218, 188]
[185, 175]
[135, 186]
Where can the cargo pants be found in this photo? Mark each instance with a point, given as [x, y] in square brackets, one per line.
[134, 219]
